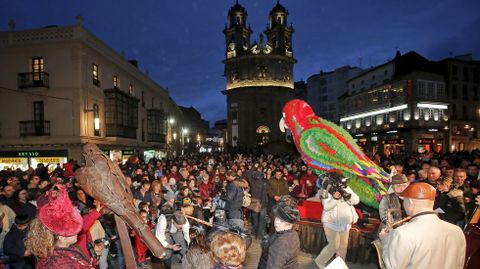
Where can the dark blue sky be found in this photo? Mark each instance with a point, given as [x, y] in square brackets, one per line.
[181, 45]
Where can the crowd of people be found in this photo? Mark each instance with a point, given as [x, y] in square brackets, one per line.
[238, 195]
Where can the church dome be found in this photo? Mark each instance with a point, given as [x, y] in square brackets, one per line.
[236, 8]
[278, 8]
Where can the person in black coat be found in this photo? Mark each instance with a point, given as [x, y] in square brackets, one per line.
[449, 209]
[280, 251]
[258, 207]
[14, 244]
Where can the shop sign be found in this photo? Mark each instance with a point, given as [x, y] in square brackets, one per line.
[12, 160]
[426, 141]
[34, 153]
[128, 152]
[393, 141]
[106, 152]
[50, 160]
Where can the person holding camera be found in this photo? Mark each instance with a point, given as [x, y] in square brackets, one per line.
[337, 217]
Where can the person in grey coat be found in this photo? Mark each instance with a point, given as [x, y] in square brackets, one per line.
[280, 251]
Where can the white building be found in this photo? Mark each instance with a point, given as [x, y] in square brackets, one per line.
[61, 87]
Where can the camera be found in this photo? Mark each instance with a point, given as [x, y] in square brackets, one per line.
[336, 183]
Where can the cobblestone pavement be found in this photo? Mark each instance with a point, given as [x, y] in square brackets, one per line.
[305, 260]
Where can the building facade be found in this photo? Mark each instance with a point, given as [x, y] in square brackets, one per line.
[462, 75]
[398, 107]
[324, 89]
[62, 87]
[259, 79]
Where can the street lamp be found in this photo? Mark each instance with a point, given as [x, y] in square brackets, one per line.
[96, 118]
[184, 132]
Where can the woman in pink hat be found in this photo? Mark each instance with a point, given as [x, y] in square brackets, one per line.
[53, 233]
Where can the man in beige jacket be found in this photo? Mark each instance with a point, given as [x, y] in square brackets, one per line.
[425, 241]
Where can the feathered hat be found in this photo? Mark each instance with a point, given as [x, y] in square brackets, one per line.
[56, 212]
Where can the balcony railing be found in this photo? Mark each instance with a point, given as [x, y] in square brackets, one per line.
[34, 128]
[33, 80]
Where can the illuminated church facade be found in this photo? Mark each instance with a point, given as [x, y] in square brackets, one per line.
[259, 79]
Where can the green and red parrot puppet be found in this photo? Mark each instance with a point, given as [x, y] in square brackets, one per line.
[326, 147]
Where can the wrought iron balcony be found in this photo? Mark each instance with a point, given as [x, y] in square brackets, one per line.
[34, 128]
[33, 80]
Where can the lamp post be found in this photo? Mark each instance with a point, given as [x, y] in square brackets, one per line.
[184, 133]
[96, 119]
[171, 136]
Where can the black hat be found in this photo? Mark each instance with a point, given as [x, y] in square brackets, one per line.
[287, 210]
[22, 219]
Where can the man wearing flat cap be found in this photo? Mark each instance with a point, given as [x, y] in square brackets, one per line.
[425, 241]
[391, 208]
[280, 251]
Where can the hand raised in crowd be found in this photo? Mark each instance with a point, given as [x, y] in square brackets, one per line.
[98, 205]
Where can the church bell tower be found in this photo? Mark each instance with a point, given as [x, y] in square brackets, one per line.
[259, 79]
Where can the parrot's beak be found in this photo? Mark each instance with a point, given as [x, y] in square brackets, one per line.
[282, 125]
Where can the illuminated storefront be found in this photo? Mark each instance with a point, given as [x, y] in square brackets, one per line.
[31, 158]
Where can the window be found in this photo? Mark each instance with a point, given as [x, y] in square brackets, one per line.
[465, 92]
[454, 111]
[421, 89]
[121, 114]
[454, 91]
[373, 77]
[143, 99]
[234, 115]
[475, 93]
[156, 126]
[475, 75]
[430, 90]
[38, 112]
[153, 102]
[130, 90]
[466, 76]
[96, 81]
[440, 91]
[465, 112]
[115, 82]
[324, 98]
[37, 68]
[430, 114]
[454, 72]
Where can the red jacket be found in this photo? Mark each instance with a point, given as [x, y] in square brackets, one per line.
[206, 191]
[84, 236]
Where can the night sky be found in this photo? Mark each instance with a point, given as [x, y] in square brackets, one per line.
[181, 44]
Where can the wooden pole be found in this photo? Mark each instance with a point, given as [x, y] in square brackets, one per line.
[126, 244]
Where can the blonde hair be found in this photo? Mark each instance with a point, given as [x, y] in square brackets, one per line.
[40, 240]
[228, 249]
